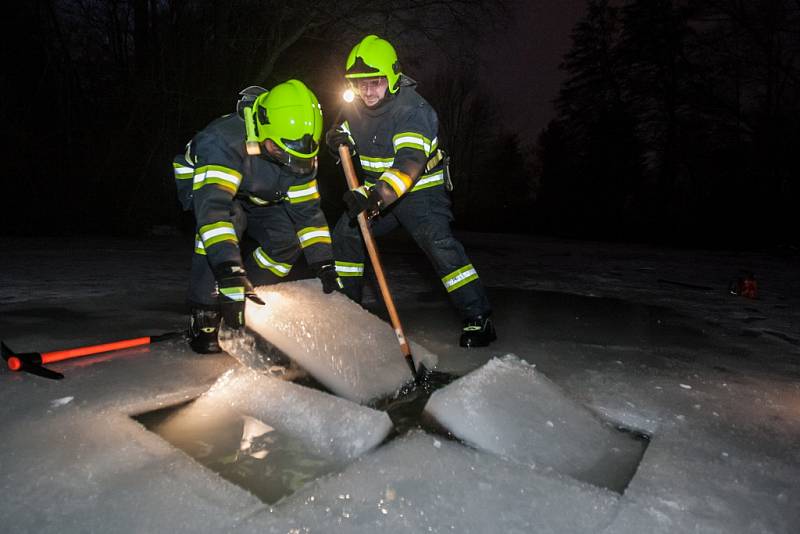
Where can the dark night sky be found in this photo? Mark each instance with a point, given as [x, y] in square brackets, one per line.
[522, 63]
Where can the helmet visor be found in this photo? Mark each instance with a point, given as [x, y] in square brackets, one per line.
[302, 166]
[299, 166]
[305, 146]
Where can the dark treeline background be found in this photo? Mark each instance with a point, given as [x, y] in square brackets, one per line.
[678, 121]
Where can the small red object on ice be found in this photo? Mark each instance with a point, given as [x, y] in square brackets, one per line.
[748, 287]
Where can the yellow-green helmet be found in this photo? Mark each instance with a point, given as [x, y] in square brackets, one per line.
[373, 57]
[290, 116]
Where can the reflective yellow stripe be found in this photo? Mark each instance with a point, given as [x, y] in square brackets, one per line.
[429, 180]
[313, 235]
[223, 177]
[460, 277]
[199, 248]
[375, 164]
[233, 293]
[182, 172]
[347, 268]
[265, 262]
[397, 180]
[214, 233]
[303, 193]
[412, 140]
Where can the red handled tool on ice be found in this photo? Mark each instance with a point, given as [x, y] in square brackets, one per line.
[372, 249]
[33, 362]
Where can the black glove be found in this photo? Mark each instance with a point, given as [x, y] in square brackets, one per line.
[234, 288]
[362, 199]
[326, 272]
[334, 138]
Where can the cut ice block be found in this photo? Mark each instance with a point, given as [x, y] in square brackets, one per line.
[423, 483]
[347, 349]
[508, 408]
[332, 427]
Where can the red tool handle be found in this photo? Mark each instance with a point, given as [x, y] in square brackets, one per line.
[58, 355]
[18, 362]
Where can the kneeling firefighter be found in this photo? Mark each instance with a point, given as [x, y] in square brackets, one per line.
[393, 131]
[253, 174]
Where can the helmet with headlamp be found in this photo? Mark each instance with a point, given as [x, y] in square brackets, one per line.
[374, 57]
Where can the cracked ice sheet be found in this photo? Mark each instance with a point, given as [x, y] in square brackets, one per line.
[422, 483]
[347, 349]
[81, 470]
[703, 478]
[507, 408]
[331, 427]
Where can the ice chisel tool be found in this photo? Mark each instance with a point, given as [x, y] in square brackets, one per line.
[33, 362]
[372, 249]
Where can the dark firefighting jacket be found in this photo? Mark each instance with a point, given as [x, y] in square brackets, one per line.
[215, 172]
[395, 143]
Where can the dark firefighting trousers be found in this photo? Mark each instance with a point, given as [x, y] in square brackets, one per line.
[426, 215]
[278, 249]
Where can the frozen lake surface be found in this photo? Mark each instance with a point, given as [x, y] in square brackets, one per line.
[645, 338]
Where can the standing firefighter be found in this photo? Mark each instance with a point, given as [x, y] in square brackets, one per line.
[252, 173]
[393, 130]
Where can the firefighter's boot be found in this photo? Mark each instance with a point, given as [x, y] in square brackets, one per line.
[478, 331]
[204, 331]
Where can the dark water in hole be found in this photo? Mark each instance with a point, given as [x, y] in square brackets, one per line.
[253, 455]
[242, 449]
[405, 408]
[272, 465]
[617, 479]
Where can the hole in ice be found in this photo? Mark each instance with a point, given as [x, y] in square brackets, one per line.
[405, 408]
[242, 449]
[616, 476]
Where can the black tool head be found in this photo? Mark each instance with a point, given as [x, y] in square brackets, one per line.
[28, 362]
[6, 352]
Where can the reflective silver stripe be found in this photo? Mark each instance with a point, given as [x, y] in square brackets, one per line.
[224, 177]
[181, 170]
[230, 178]
[368, 164]
[265, 262]
[430, 180]
[314, 234]
[309, 190]
[199, 248]
[459, 277]
[398, 184]
[344, 268]
[233, 293]
[413, 140]
[210, 234]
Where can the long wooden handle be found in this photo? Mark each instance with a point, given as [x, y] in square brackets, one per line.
[372, 249]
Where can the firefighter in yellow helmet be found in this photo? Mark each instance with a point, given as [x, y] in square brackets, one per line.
[393, 132]
[253, 173]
